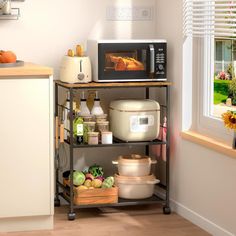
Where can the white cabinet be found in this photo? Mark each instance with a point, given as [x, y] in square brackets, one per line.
[26, 147]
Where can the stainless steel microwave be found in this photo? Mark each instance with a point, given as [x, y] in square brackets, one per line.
[128, 60]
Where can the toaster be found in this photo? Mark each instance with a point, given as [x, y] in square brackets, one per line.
[75, 70]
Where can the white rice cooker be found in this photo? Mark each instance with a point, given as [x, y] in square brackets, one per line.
[75, 70]
[135, 120]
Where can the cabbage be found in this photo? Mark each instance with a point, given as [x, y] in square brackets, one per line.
[78, 178]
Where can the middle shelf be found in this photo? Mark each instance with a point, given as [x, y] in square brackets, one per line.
[117, 143]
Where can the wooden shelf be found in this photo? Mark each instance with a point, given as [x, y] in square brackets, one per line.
[113, 85]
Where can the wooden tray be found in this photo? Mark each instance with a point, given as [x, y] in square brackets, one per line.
[16, 64]
[95, 196]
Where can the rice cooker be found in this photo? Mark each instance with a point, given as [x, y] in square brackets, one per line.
[135, 120]
[75, 70]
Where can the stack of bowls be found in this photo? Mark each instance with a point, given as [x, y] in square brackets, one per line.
[134, 179]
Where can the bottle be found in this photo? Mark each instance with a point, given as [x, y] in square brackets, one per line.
[97, 109]
[84, 111]
[78, 128]
[66, 114]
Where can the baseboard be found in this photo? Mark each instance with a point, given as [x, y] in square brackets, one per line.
[199, 220]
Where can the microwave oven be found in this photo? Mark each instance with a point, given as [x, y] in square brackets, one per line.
[128, 60]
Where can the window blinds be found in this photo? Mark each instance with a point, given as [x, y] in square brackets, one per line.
[210, 17]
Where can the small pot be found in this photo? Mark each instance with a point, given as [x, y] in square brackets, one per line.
[134, 165]
[135, 187]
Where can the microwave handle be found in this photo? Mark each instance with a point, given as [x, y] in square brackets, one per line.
[152, 59]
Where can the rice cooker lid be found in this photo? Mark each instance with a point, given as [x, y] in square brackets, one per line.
[134, 159]
[134, 180]
[135, 105]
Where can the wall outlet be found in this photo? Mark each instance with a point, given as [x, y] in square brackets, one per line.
[130, 13]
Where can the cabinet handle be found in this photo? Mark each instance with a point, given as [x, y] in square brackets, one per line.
[56, 131]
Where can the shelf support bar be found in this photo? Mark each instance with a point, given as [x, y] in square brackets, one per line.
[71, 152]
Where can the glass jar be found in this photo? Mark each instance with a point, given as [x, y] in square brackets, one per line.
[89, 126]
[92, 138]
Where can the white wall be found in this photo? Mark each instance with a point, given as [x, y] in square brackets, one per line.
[202, 181]
[47, 29]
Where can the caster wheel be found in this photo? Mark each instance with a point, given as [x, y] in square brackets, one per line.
[57, 202]
[71, 216]
[166, 210]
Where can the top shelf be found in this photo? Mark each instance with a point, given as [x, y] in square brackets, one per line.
[113, 85]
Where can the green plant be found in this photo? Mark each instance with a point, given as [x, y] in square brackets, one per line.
[230, 70]
[232, 90]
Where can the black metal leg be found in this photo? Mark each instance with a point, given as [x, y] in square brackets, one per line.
[166, 208]
[71, 214]
[56, 199]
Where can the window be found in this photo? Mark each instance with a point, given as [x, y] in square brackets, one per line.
[211, 25]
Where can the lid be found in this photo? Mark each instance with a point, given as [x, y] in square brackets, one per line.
[106, 132]
[101, 116]
[93, 134]
[135, 105]
[134, 158]
[89, 122]
[103, 123]
[134, 180]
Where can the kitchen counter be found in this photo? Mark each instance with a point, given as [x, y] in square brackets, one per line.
[29, 69]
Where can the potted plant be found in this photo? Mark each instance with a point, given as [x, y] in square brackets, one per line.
[229, 119]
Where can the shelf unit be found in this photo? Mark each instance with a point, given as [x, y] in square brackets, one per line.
[156, 198]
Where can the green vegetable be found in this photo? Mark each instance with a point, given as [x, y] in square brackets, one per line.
[78, 178]
[96, 170]
[108, 182]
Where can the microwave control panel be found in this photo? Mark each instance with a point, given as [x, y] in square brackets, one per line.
[160, 59]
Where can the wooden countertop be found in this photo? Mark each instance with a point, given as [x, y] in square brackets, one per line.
[29, 69]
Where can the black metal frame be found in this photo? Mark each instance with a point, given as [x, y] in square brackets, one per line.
[121, 202]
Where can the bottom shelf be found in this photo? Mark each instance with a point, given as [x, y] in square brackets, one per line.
[121, 202]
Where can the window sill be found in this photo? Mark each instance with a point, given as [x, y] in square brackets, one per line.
[209, 143]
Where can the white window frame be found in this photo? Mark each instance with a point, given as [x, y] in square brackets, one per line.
[206, 122]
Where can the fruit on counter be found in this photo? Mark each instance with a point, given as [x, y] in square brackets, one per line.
[79, 51]
[108, 182]
[78, 178]
[96, 183]
[71, 53]
[96, 170]
[7, 57]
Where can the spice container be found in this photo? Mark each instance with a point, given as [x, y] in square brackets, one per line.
[102, 126]
[89, 126]
[101, 118]
[92, 138]
[87, 118]
[106, 137]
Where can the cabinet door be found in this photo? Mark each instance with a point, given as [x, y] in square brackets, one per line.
[25, 147]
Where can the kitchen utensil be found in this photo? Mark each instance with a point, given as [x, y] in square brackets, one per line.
[135, 187]
[134, 165]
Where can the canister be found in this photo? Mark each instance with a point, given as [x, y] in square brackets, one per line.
[92, 138]
[89, 126]
[106, 137]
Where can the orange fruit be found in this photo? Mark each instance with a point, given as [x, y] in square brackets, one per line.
[7, 57]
